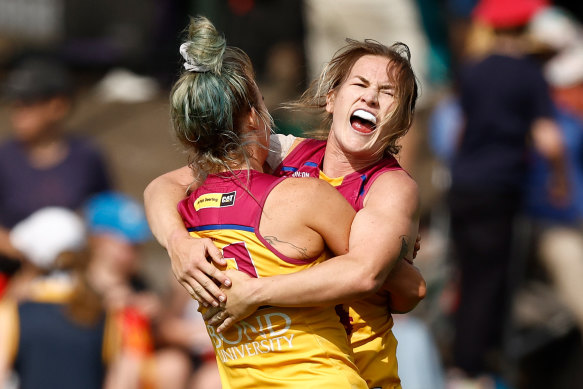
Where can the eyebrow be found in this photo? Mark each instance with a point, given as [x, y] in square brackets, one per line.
[382, 87]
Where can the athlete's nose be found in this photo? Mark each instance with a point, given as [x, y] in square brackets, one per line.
[371, 96]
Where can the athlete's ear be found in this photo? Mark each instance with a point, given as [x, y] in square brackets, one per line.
[330, 97]
[253, 119]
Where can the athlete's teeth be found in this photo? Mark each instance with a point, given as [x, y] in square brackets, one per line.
[361, 113]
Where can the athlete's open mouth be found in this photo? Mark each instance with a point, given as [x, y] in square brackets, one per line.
[363, 121]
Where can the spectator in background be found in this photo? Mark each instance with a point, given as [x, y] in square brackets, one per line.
[160, 334]
[59, 335]
[186, 353]
[329, 22]
[560, 233]
[41, 165]
[506, 105]
[117, 227]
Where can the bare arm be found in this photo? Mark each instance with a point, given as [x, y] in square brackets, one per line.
[8, 337]
[548, 141]
[382, 233]
[6, 248]
[188, 255]
[124, 372]
[406, 286]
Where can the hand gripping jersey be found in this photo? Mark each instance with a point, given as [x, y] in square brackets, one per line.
[274, 347]
[371, 338]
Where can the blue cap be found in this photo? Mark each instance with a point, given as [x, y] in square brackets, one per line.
[118, 214]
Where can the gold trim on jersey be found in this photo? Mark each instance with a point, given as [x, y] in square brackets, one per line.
[337, 181]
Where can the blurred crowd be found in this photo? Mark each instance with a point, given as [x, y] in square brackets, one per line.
[87, 299]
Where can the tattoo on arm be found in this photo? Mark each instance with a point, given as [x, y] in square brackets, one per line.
[274, 241]
[404, 247]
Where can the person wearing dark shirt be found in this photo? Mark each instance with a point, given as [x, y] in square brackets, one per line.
[55, 334]
[40, 165]
[507, 108]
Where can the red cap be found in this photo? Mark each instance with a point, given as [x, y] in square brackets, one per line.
[507, 13]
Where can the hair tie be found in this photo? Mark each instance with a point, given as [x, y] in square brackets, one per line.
[191, 65]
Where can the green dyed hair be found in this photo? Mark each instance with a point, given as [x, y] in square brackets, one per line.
[337, 70]
[208, 107]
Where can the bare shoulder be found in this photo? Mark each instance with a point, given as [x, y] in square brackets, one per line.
[395, 187]
[308, 196]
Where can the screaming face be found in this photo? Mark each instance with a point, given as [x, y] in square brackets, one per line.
[359, 106]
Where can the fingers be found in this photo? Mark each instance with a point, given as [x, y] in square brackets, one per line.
[214, 253]
[228, 323]
[211, 315]
[206, 290]
[195, 273]
[417, 246]
[190, 291]
[208, 276]
[201, 288]
[221, 278]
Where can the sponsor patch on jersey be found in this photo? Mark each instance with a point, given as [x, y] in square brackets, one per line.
[215, 200]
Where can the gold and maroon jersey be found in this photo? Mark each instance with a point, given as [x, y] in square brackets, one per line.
[371, 322]
[274, 347]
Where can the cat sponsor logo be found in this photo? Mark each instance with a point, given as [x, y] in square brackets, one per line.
[215, 200]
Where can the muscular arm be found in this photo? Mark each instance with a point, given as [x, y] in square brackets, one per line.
[381, 234]
[188, 255]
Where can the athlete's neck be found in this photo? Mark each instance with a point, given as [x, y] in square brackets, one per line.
[338, 163]
[250, 164]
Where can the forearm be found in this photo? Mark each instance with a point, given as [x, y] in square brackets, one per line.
[355, 275]
[406, 286]
[335, 281]
[161, 197]
[188, 256]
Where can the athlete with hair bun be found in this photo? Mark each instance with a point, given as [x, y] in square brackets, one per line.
[219, 116]
[368, 93]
